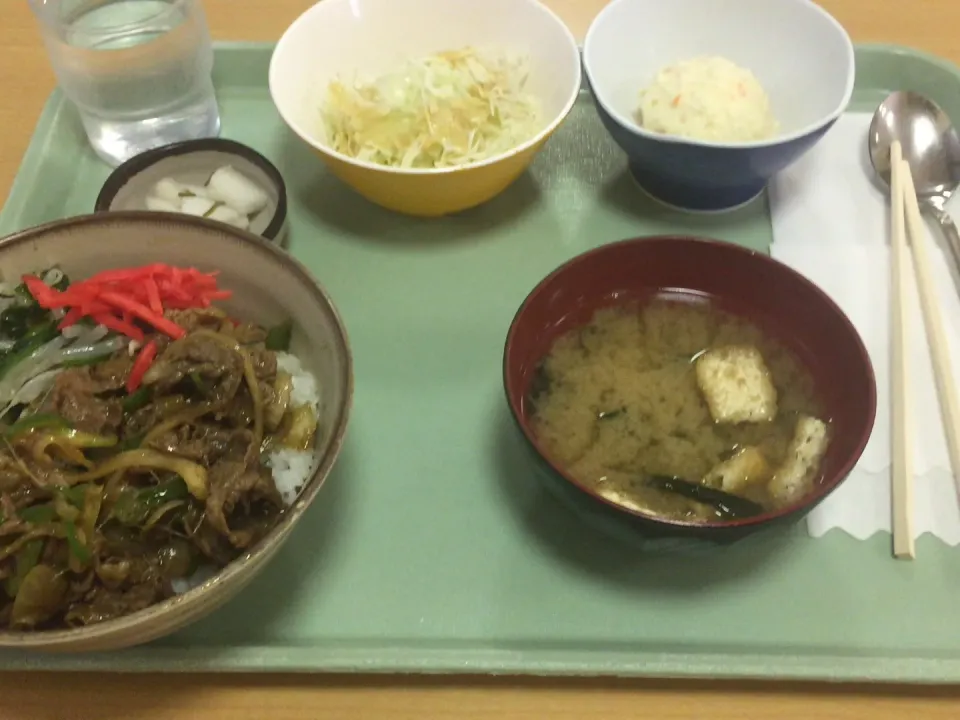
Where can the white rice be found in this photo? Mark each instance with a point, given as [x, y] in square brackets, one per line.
[290, 468]
[305, 390]
[203, 573]
[708, 98]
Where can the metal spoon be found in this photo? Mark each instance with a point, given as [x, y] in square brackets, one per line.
[931, 148]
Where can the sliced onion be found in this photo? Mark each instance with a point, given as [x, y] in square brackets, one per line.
[32, 389]
[53, 276]
[53, 354]
[92, 335]
[78, 351]
[32, 366]
[25, 377]
[84, 334]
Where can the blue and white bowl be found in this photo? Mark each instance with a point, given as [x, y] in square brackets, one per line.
[801, 55]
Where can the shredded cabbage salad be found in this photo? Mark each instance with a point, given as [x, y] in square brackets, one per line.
[445, 110]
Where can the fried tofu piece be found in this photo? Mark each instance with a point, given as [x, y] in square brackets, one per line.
[746, 467]
[795, 477]
[736, 385]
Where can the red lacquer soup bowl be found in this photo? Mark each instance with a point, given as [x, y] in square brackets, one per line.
[783, 303]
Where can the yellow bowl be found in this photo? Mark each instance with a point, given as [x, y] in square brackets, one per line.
[342, 37]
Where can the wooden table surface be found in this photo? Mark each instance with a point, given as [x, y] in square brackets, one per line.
[26, 80]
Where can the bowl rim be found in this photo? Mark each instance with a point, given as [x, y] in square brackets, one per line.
[129, 169]
[42, 639]
[523, 147]
[781, 139]
[695, 242]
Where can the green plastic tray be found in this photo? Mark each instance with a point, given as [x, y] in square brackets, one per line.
[434, 548]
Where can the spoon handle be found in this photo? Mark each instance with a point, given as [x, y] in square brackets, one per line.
[950, 232]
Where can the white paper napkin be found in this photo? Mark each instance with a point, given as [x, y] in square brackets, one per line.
[861, 507]
[830, 223]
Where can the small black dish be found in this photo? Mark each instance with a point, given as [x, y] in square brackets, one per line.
[192, 162]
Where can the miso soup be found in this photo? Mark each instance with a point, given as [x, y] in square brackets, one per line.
[678, 409]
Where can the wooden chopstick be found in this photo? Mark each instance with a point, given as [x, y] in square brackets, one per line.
[933, 319]
[901, 490]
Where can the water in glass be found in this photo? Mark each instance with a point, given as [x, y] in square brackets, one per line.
[139, 71]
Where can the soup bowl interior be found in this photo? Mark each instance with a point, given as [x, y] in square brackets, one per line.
[269, 287]
[780, 302]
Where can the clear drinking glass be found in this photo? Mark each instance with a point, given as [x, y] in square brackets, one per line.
[138, 71]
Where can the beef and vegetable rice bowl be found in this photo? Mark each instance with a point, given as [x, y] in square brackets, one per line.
[147, 438]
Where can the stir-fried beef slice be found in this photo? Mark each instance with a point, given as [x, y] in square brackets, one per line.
[55, 553]
[217, 320]
[203, 443]
[8, 507]
[11, 473]
[239, 413]
[111, 374]
[10, 481]
[211, 543]
[124, 572]
[118, 585]
[80, 585]
[240, 483]
[198, 318]
[138, 422]
[27, 494]
[114, 573]
[275, 404]
[9, 531]
[254, 526]
[247, 334]
[74, 398]
[102, 603]
[198, 358]
[88, 413]
[264, 363]
[25, 479]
